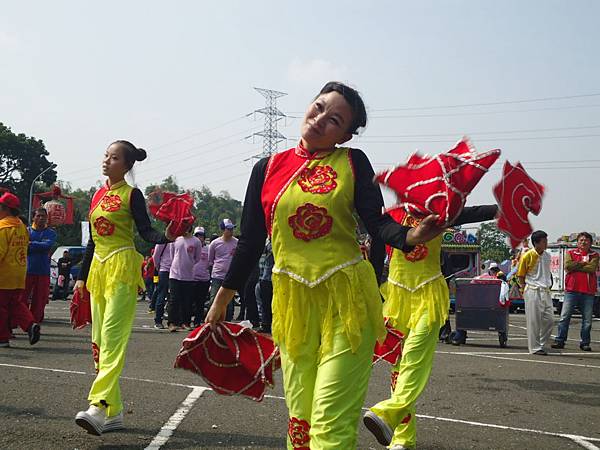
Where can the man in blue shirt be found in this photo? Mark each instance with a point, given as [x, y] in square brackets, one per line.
[37, 286]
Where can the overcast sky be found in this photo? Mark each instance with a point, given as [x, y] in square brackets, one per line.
[177, 78]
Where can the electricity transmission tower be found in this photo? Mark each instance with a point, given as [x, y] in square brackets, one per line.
[270, 136]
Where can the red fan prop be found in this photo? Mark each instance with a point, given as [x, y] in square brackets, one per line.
[438, 184]
[81, 309]
[517, 195]
[391, 348]
[170, 207]
[232, 359]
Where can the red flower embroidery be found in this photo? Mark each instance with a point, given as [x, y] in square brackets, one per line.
[310, 222]
[394, 378]
[103, 226]
[96, 353]
[111, 203]
[418, 253]
[406, 419]
[318, 179]
[298, 433]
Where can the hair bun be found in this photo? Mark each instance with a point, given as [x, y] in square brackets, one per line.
[140, 154]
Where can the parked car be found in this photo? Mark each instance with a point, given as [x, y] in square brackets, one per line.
[76, 253]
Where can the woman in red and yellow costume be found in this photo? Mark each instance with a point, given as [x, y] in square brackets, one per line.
[111, 273]
[327, 311]
[416, 303]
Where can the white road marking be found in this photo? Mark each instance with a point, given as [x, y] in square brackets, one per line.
[553, 335]
[475, 352]
[171, 425]
[44, 368]
[197, 391]
[535, 361]
[581, 440]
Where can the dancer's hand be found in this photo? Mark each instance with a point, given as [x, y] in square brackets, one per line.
[79, 286]
[217, 311]
[425, 231]
[168, 234]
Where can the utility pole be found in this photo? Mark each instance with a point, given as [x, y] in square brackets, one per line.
[271, 137]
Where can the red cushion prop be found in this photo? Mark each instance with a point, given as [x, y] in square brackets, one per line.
[391, 348]
[170, 207]
[517, 195]
[438, 184]
[81, 309]
[232, 359]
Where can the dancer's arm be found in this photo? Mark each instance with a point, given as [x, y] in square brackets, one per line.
[142, 221]
[368, 202]
[473, 214]
[87, 258]
[249, 247]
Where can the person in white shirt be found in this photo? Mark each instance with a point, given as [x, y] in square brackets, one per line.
[535, 279]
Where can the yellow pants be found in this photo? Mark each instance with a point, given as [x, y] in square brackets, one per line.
[324, 395]
[112, 319]
[413, 372]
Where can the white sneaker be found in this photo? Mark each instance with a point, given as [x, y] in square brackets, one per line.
[91, 420]
[376, 425]
[113, 423]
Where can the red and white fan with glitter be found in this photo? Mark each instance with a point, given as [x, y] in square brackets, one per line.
[438, 184]
[390, 349]
[172, 208]
[517, 195]
[232, 359]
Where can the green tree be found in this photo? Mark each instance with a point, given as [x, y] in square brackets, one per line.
[22, 158]
[493, 243]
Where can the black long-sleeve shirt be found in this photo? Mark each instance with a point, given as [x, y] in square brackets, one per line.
[368, 203]
[142, 223]
[474, 214]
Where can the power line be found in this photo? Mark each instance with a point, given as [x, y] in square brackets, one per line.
[145, 169]
[533, 138]
[208, 130]
[483, 113]
[160, 146]
[504, 102]
[469, 105]
[216, 161]
[533, 130]
[207, 147]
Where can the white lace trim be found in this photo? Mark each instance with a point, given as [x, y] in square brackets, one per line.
[103, 259]
[418, 286]
[322, 278]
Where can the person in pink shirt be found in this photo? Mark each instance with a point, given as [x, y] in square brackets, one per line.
[201, 279]
[162, 262]
[185, 252]
[220, 254]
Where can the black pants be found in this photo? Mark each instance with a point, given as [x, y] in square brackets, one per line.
[180, 303]
[266, 296]
[159, 297]
[199, 304]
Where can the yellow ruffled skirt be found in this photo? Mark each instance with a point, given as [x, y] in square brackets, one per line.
[404, 308]
[124, 267]
[350, 293]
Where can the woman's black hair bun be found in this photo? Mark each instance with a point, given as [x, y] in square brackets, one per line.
[140, 154]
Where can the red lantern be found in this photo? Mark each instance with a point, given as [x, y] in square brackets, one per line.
[57, 213]
[60, 212]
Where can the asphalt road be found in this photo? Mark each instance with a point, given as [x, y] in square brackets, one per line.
[479, 397]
